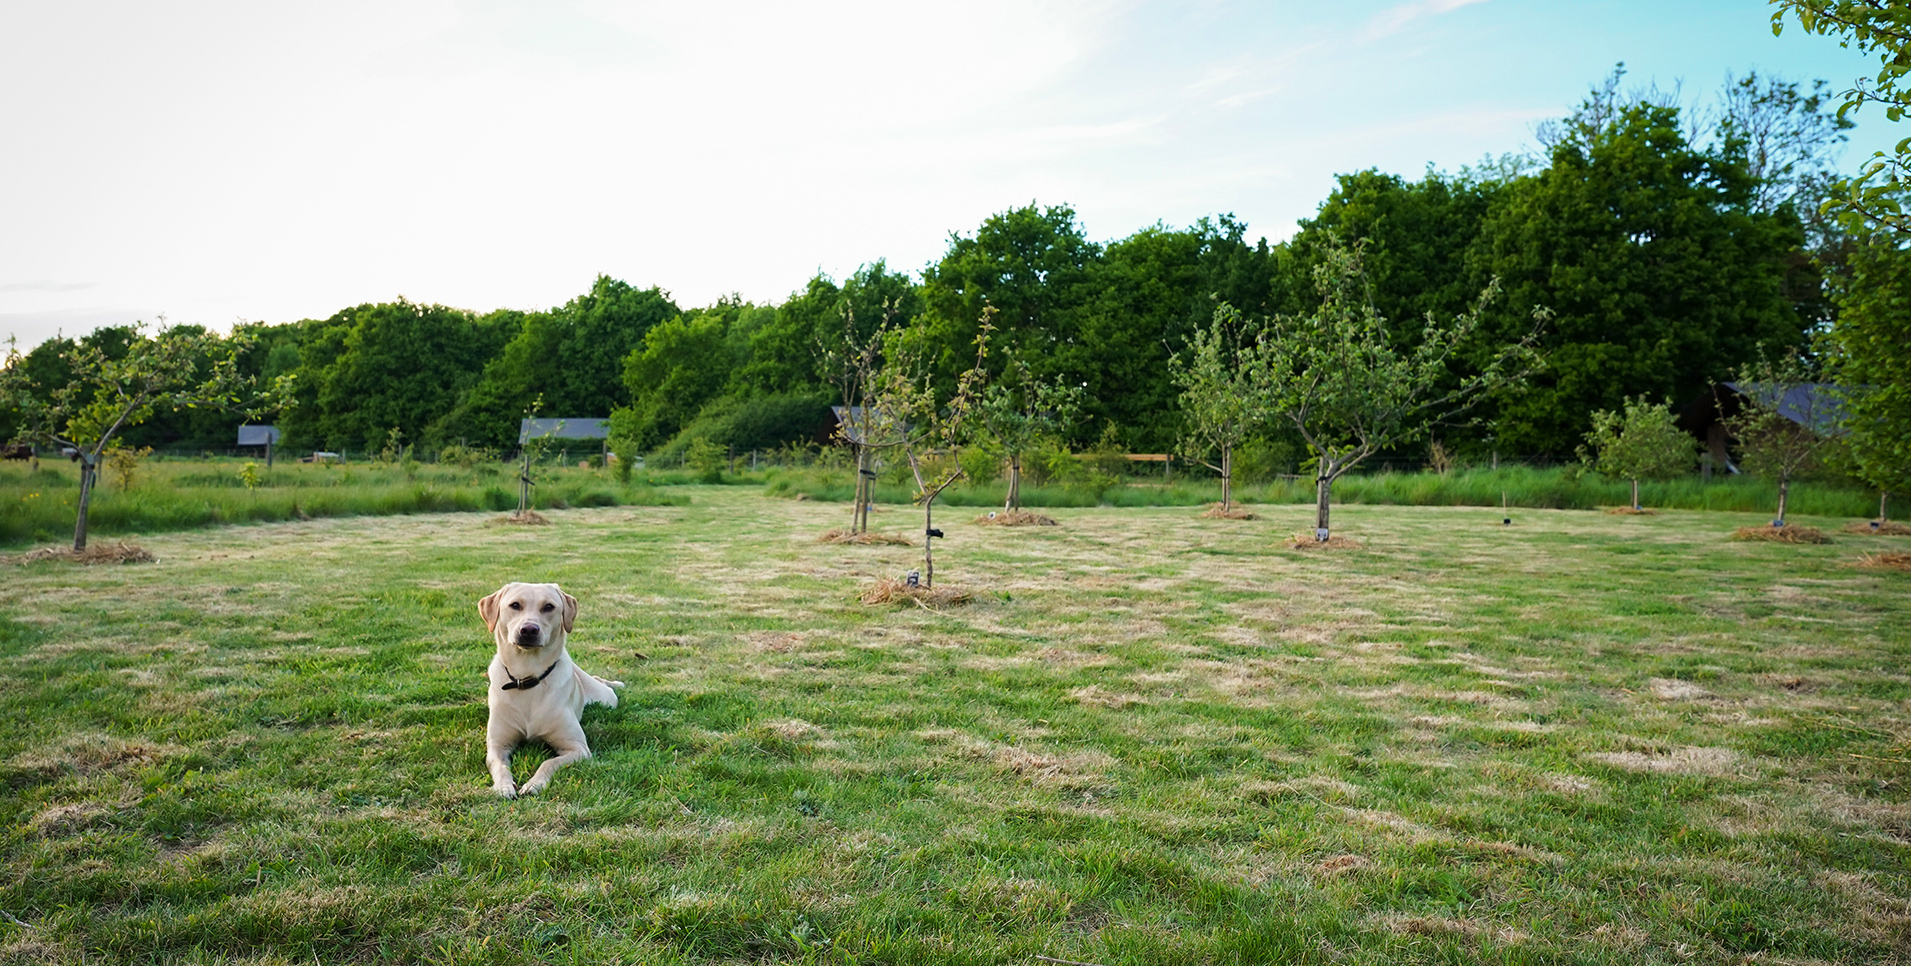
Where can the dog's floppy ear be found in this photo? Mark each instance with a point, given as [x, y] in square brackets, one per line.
[570, 611]
[488, 608]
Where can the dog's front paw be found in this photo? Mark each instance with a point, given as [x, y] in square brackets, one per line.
[532, 787]
[505, 790]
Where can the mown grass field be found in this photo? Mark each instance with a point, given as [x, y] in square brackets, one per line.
[1154, 738]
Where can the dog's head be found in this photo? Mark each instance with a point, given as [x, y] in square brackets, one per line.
[528, 615]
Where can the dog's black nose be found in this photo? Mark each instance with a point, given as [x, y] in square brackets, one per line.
[527, 635]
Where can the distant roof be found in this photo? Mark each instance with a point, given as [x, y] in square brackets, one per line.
[258, 435]
[567, 428]
[1817, 406]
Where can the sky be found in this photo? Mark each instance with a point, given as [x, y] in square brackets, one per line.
[213, 162]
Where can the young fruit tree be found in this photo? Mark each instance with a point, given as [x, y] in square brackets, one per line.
[1018, 410]
[929, 430]
[1788, 420]
[859, 366]
[1224, 393]
[1350, 391]
[1642, 442]
[181, 367]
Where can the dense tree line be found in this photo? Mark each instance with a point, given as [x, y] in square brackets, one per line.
[1667, 246]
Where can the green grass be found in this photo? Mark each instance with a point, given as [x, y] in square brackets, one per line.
[1155, 739]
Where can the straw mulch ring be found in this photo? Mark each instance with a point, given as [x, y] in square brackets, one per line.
[530, 518]
[1900, 562]
[1015, 518]
[892, 591]
[1306, 541]
[1784, 534]
[840, 535]
[1235, 512]
[1632, 511]
[1889, 528]
[99, 553]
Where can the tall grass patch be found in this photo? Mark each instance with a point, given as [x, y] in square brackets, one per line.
[176, 495]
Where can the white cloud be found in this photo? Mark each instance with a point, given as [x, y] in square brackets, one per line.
[1397, 18]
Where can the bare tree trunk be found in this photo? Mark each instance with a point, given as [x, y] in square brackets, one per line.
[1014, 501]
[1635, 493]
[524, 485]
[859, 521]
[1884, 496]
[1784, 490]
[928, 543]
[89, 470]
[1323, 492]
[1227, 478]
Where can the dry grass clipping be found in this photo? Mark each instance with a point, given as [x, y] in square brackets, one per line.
[1236, 512]
[1632, 511]
[1015, 518]
[1784, 534]
[530, 518]
[892, 591]
[1889, 528]
[99, 553]
[840, 535]
[1900, 562]
[1306, 541]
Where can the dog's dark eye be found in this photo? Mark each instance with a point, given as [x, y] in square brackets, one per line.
[516, 606]
[547, 608]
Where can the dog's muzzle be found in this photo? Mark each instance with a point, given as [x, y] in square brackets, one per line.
[528, 636]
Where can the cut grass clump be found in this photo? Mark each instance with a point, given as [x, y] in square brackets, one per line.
[1306, 541]
[1236, 512]
[1889, 528]
[529, 518]
[892, 591]
[99, 553]
[1015, 518]
[1785, 534]
[840, 535]
[1892, 560]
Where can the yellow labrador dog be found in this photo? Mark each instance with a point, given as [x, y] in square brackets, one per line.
[536, 692]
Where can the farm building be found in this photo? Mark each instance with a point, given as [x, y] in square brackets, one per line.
[1817, 406]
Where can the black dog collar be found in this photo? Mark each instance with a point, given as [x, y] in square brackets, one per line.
[526, 684]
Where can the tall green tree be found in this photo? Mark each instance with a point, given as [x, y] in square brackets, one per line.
[1875, 196]
[786, 355]
[1414, 236]
[1872, 362]
[1142, 301]
[683, 365]
[1661, 273]
[391, 365]
[573, 356]
[1029, 264]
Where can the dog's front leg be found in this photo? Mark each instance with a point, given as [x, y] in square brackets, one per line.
[497, 757]
[569, 748]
